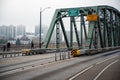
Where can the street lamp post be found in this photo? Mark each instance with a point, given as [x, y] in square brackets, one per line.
[40, 41]
[40, 30]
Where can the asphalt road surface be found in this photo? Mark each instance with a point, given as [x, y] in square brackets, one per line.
[104, 66]
[104, 70]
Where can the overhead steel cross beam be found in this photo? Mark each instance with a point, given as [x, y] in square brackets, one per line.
[102, 28]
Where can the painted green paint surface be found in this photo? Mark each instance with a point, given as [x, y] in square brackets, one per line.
[90, 32]
[73, 12]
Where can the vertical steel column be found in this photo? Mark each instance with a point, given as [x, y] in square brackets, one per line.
[81, 30]
[114, 31]
[104, 29]
[112, 28]
[111, 25]
[108, 27]
[119, 30]
[96, 37]
[116, 28]
[100, 29]
[57, 35]
[71, 32]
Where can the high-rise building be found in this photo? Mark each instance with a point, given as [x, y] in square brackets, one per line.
[11, 33]
[7, 31]
[37, 30]
[20, 30]
[3, 30]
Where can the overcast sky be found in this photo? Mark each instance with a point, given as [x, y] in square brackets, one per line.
[26, 12]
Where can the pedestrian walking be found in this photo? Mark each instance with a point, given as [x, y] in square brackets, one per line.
[32, 44]
[4, 47]
[8, 46]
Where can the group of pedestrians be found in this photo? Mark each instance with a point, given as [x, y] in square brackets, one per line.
[7, 47]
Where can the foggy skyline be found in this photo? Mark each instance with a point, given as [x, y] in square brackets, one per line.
[26, 12]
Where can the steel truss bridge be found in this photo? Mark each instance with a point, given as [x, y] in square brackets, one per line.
[96, 29]
[99, 27]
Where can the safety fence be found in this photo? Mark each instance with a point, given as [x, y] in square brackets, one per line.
[62, 55]
[10, 54]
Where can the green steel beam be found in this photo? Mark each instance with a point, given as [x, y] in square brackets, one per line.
[111, 19]
[64, 32]
[95, 44]
[119, 30]
[50, 30]
[112, 28]
[76, 32]
[100, 29]
[108, 29]
[71, 32]
[81, 30]
[57, 35]
[104, 29]
[90, 35]
[83, 24]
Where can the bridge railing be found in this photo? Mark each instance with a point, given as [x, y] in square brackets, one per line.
[10, 54]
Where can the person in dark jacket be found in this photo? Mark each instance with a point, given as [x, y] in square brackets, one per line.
[32, 44]
[4, 47]
[8, 46]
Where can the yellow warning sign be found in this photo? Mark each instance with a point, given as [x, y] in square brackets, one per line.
[92, 17]
[75, 52]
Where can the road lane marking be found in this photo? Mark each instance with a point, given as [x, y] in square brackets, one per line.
[80, 73]
[105, 69]
[106, 59]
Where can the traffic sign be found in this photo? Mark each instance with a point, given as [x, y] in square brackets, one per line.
[73, 12]
[92, 17]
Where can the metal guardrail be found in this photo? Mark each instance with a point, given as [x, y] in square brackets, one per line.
[92, 51]
[62, 52]
[7, 54]
[23, 52]
[62, 55]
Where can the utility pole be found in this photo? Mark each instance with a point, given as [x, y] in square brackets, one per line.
[40, 38]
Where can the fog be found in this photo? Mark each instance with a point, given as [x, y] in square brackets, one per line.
[26, 12]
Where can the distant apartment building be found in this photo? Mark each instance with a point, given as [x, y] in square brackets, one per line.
[8, 31]
[37, 30]
[3, 30]
[20, 30]
[12, 31]
[43, 32]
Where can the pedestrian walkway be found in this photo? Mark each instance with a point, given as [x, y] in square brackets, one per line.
[21, 59]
